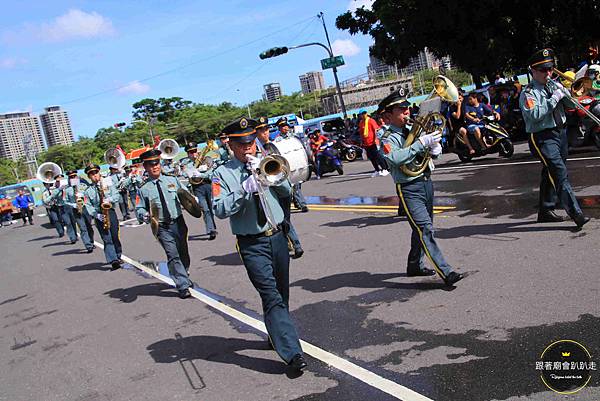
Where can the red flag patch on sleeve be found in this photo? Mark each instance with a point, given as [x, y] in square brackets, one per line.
[387, 148]
[529, 103]
[216, 187]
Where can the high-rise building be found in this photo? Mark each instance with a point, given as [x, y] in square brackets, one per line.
[57, 127]
[18, 130]
[312, 81]
[426, 60]
[272, 92]
[379, 69]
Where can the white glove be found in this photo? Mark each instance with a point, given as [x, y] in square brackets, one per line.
[250, 185]
[195, 173]
[203, 168]
[436, 149]
[100, 217]
[558, 95]
[430, 139]
[146, 217]
[254, 161]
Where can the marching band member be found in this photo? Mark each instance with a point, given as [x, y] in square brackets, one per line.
[52, 210]
[200, 183]
[224, 149]
[116, 177]
[105, 217]
[167, 167]
[131, 184]
[262, 247]
[262, 138]
[542, 105]
[66, 218]
[75, 210]
[416, 193]
[159, 193]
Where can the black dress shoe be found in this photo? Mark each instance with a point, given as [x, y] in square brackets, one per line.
[452, 278]
[298, 362]
[298, 252]
[304, 209]
[90, 250]
[418, 273]
[115, 265]
[74, 241]
[185, 294]
[550, 217]
[581, 220]
[212, 235]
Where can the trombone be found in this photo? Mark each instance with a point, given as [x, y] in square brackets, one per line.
[573, 100]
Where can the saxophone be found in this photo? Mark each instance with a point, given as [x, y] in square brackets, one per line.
[105, 205]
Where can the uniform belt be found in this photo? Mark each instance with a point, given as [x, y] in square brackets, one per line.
[268, 233]
[421, 178]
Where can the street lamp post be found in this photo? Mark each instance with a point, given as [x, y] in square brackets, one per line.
[335, 76]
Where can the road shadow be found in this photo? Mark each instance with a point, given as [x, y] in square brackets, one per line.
[499, 229]
[7, 301]
[45, 237]
[88, 267]
[216, 349]
[365, 221]
[367, 280]
[131, 294]
[63, 242]
[70, 252]
[229, 259]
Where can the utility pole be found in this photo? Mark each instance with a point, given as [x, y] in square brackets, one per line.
[335, 76]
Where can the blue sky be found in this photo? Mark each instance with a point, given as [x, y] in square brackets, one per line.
[62, 52]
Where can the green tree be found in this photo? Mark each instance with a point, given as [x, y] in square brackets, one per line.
[10, 170]
[481, 37]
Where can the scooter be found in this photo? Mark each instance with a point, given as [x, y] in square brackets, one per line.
[581, 130]
[328, 159]
[493, 134]
[347, 151]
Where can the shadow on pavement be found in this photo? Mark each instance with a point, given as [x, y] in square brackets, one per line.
[45, 237]
[230, 259]
[70, 252]
[216, 349]
[500, 228]
[364, 221]
[88, 267]
[352, 280]
[128, 295]
[63, 242]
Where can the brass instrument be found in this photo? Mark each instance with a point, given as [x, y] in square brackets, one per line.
[443, 89]
[264, 203]
[115, 158]
[169, 149]
[47, 171]
[79, 199]
[204, 160]
[578, 85]
[154, 224]
[105, 205]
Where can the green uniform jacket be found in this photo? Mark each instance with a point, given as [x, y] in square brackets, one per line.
[149, 195]
[537, 106]
[396, 155]
[231, 200]
[92, 198]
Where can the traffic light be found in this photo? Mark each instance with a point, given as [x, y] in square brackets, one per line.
[273, 52]
[119, 125]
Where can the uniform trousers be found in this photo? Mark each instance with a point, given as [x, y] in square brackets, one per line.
[552, 148]
[204, 194]
[68, 219]
[267, 263]
[286, 204]
[299, 200]
[85, 227]
[110, 237]
[173, 238]
[416, 197]
[56, 219]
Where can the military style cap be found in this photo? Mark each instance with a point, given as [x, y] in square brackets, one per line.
[57, 176]
[398, 97]
[261, 121]
[543, 58]
[241, 130]
[151, 156]
[91, 169]
[191, 146]
[71, 173]
[282, 121]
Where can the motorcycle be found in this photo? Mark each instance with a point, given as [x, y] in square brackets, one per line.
[581, 130]
[346, 150]
[328, 159]
[493, 134]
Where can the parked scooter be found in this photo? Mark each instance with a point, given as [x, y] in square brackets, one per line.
[493, 134]
[346, 150]
[581, 130]
[328, 160]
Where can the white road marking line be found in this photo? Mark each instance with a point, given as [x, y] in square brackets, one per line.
[122, 223]
[366, 376]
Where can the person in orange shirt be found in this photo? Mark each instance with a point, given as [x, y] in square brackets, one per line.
[316, 140]
[367, 128]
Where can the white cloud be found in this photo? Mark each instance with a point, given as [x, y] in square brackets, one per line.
[345, 47]
[356, 4]
[76, 24]
[135, 88]
[11, 62]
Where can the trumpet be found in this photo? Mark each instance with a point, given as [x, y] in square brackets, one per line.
[574, 87]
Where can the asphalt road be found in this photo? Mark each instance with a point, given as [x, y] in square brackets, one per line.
[73, 330]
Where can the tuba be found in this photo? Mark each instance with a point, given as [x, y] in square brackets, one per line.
[169, 149]
[429, 120]
[47, 171]
[115, 158]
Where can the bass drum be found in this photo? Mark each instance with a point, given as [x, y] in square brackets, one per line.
[294, 152]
